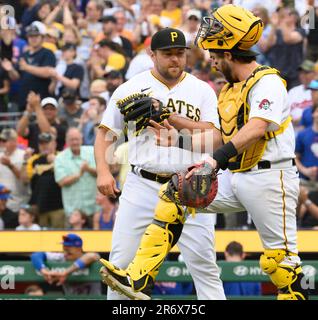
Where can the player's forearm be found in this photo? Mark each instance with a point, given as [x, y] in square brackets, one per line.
[183, 123]
[102, 149]
[250, 133]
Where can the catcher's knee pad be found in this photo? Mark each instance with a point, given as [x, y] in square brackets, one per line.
[156, 243]
[285, 277]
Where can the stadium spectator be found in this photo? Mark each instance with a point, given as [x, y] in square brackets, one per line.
[46, 193]
[29, 15]
[11, 162]
[260, 47]
[172, 11]
[234, 253]
[16, 48]
[308, 208]
[141, 61]
[299, 97]
[89, 26]
[284, 45]
[4, 89]
[91, 118]
[191, 25]
[78, 220]
[113, 80]
[307, 118]
[121, 19]
[39, 117]
[8, 219]
[75, 172]
[70, 111]
[107, 57]
[72, 252]
[34, 290]
[105, 218]
[307, 152]
[67, 73]
[34, 65]
[27, 217]
[111, 34]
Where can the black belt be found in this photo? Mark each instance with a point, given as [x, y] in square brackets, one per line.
[261, 165]
[150, 176]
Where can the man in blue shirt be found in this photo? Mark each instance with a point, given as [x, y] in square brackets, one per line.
[35, 65]
[234, 253]
[307, 119]
[307, 145]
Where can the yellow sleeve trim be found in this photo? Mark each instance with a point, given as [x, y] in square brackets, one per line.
[102, 126]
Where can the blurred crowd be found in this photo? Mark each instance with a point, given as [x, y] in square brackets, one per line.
[61, 60]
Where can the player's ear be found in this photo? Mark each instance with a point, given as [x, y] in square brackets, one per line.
[150, 52]
[228, 56]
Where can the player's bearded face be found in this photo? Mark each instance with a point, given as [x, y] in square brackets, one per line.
[223, 66]
[170, 63]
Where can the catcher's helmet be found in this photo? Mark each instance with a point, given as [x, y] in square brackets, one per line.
[229, 27]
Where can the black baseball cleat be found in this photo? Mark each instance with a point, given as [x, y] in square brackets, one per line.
[118, 280]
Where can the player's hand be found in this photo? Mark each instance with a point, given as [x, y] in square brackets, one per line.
[60, 277]
[106, 185]
[48, 275]
[209, 160]
[166, 134]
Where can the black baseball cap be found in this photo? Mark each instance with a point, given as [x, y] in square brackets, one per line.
[168, 38]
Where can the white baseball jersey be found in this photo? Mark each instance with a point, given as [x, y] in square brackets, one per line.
[191, 98]
[268, 100]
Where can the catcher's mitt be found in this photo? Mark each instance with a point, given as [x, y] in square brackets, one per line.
[140, 108]
[196, 192]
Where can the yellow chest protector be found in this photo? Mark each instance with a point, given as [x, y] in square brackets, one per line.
[234, 110]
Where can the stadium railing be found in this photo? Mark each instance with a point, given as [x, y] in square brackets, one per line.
[23, 271]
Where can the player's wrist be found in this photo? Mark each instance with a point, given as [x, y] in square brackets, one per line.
[224, 154]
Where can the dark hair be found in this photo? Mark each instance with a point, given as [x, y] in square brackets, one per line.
[236, 56]
[31, 210]
[234, 249]
[86, 224]
[100, 100]
[32, 288]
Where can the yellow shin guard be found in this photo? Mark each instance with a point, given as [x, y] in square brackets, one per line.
[156, 242]
[285, 277]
